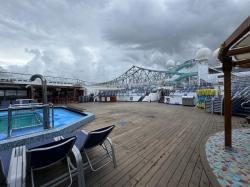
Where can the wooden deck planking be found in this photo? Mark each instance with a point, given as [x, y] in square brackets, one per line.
[138, 171]
[185, 179]
[189, 153]
[158, 145]
[157, 158]
[204, 182]
[179, 157]
[144, 148]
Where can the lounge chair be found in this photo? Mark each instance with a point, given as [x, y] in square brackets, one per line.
[8, 160]
[5, 104]
[46, 155]
[87, 141]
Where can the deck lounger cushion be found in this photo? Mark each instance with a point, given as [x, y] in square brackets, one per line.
[37, 144]
[14, 102]
[81, 137]
[5, 104]
[5, 157]
[25, 101]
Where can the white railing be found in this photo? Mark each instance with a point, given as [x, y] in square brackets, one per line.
[20, 78]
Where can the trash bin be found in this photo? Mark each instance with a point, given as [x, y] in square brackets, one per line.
[85, 99]
[80, 99]
[188, 100]
[184, 100]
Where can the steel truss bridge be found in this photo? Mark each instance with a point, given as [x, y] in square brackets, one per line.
[136, 75]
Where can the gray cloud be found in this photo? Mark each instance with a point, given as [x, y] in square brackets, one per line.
[99, 40]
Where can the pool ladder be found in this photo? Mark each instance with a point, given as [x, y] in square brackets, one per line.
[32, 106]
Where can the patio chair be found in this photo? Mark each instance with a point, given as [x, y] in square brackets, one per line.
[86, 141]
[46, 155]
[21, 101]
[15, 102]
[25, 101]
[5, 104]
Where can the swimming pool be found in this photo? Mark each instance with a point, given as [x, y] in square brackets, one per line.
[32, 121]
[30, 129]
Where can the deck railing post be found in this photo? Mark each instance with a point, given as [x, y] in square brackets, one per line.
[9, 122]
[52, 115]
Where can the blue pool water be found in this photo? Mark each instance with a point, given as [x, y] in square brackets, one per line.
[61, 117]
[19, 121]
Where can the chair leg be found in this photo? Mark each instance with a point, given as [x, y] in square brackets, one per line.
[80, 170]
[68, 162]
[113, 152]
[90, 164]
[32, 177]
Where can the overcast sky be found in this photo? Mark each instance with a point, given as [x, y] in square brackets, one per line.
[98, 40]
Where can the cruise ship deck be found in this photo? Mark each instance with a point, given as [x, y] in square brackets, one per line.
[155, 145]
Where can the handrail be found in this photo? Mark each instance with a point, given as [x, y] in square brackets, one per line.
[52, 105]
[242, 104]
[239, 93]
[242, 95]
[28, 105]
[25, 99]
[9, 122]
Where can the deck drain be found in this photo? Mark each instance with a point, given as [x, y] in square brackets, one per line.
[122, 122]
[151, 116]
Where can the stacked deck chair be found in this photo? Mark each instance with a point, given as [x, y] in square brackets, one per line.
[5, 104]
[87, 141]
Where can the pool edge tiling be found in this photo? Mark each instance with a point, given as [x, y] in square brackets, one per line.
[231, 168]
[46, 134]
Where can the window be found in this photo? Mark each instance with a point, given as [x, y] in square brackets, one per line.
[22, 93]
[11, 93]
[1, 93]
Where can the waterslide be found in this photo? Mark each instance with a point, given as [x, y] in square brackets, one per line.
[181, 75]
